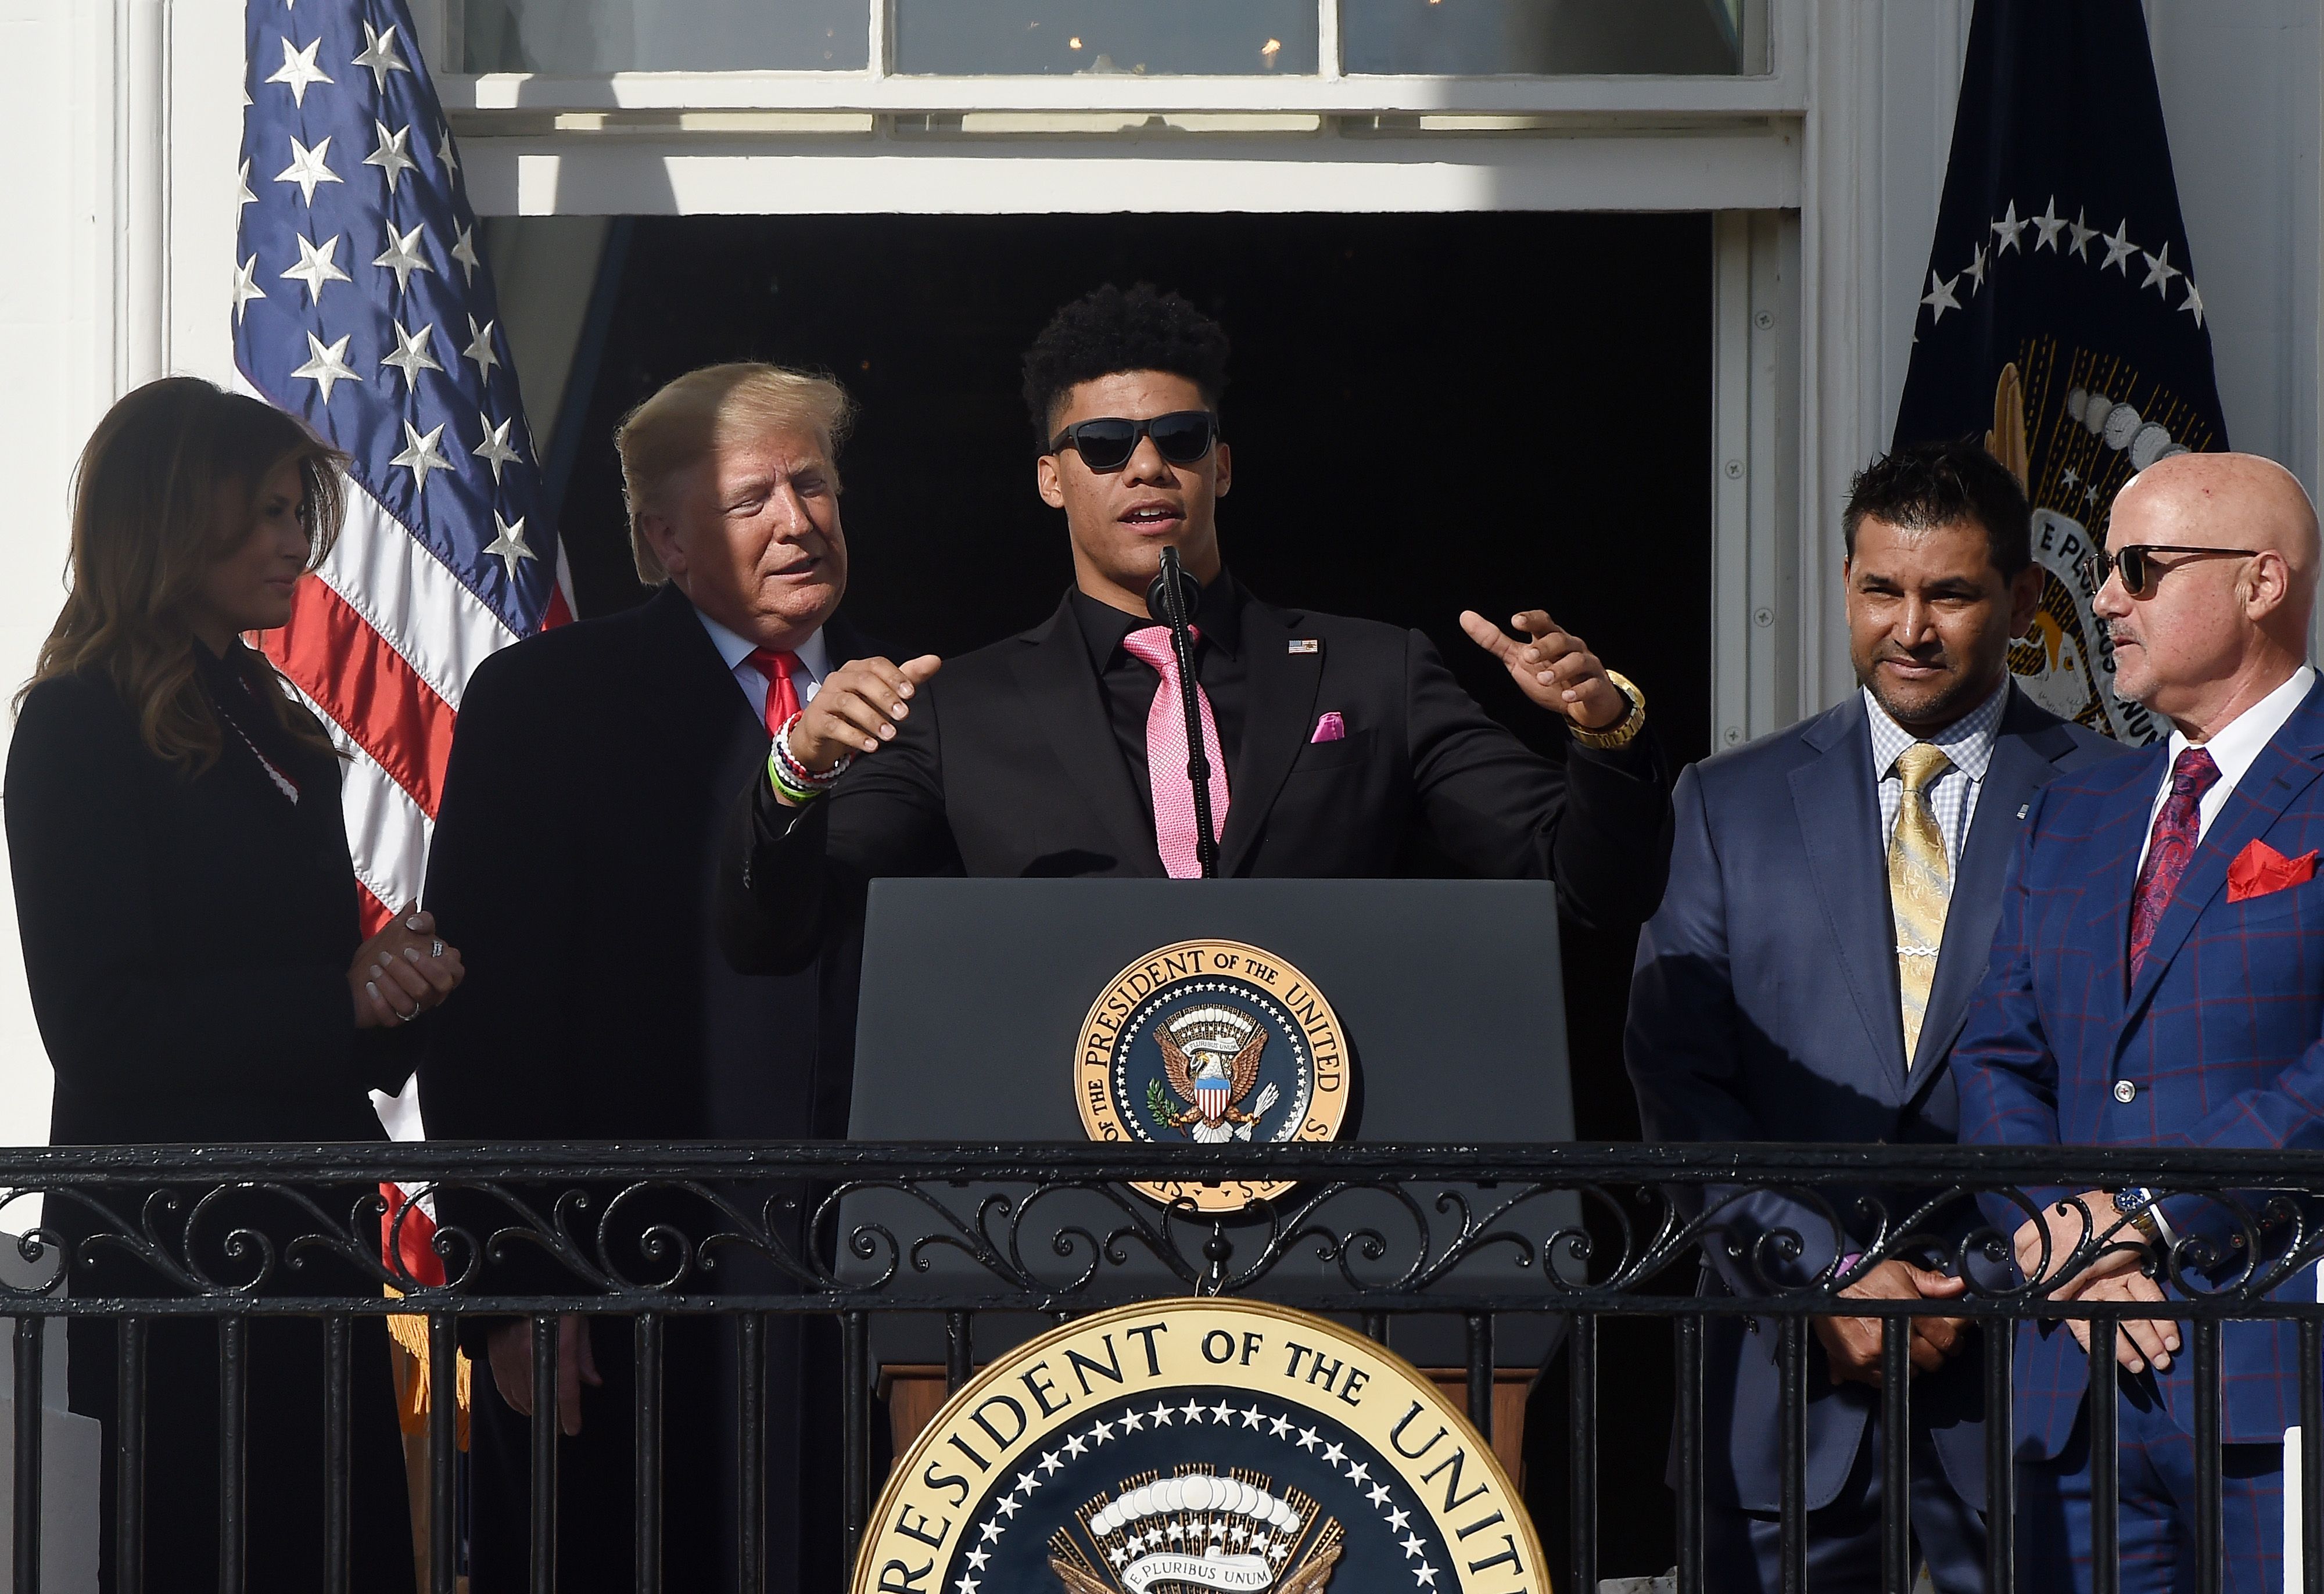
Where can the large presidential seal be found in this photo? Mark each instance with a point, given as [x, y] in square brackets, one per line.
[1210, 1041]
[1200, 1447]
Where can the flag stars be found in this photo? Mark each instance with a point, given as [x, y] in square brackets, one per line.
[2159, 272]
[2008, 230]
[411, 357]
[2119, 248]
[1975, 270]
[393, 156]
[447, 155]
[510, 547]
[480, 347]
[378, 57]
[298, 71]
[2194, 305]
[2050, 225]
[1940, 297]
[2082, 235]
[316, 265]
[327, 367]
[420, 456]
[247, 198]
[463, 250]
[245, 286]
[307, 168]
[402, 256]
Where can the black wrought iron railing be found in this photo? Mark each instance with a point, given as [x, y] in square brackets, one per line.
[1500, 1242]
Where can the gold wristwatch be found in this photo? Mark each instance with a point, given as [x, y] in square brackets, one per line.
[1623, 731]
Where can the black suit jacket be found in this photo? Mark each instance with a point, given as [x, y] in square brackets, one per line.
[1007, 766]
[572, 865]
[187, 940]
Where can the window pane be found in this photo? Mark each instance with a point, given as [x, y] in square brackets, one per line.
[1710, 37]
[666, 35]
[1227, 37]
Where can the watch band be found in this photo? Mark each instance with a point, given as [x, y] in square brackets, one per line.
[1623, 732]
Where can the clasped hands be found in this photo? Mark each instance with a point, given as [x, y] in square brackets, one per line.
[1851, 1345]
[402, 972]
[2118, 1273]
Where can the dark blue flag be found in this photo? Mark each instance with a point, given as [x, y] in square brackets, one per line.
[2060, 317]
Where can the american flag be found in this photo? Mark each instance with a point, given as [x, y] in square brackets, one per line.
[361, 306]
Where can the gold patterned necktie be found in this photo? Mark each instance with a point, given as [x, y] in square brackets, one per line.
[1920, 886]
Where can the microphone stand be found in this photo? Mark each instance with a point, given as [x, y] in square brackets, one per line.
[1170, 588]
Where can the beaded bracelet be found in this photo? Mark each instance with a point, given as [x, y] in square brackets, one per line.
[793, 779]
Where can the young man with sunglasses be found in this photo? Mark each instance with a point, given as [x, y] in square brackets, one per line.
[2158, 980]
[1335, 745]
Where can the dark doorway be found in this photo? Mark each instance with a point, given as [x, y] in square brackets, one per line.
[1428, 413]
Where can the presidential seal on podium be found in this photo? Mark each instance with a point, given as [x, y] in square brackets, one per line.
[1200, 1447]
[1211, 1042]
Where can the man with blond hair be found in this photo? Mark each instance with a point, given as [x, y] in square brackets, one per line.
[2158, 980]
[574, 859]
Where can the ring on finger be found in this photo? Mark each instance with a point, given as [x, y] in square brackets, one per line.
[436, 949]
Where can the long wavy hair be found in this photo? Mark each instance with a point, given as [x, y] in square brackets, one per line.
[163, 492]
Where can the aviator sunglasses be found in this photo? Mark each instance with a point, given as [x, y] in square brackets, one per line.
[2139, 572]
[1182, 436]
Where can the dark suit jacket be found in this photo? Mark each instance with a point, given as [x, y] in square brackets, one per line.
[572, 865]
[2220, 1036]
[1765, 1008]
[187, 943]
[1008, 766]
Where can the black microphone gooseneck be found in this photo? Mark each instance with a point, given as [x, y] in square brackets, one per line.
[1172, 598]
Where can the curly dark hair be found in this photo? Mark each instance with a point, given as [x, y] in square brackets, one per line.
[1925, 484]
[1109, 329]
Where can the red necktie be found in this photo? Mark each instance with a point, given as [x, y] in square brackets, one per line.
[1174, 832]
[2176, 830]
[782, 697]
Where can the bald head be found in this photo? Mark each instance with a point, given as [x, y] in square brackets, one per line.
[2210, 634]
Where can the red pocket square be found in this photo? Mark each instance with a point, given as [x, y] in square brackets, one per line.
[2259, 868]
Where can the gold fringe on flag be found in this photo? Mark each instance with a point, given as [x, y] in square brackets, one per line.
[410, 1333]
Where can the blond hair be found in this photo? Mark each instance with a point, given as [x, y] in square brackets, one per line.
[146, 529]
[691, 417]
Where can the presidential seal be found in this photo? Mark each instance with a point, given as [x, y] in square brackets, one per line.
[1200, 1447]
[1210, 1041]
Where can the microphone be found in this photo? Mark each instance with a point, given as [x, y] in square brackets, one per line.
[1171, 598]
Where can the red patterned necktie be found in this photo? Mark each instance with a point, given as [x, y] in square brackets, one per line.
[2176, 829]
[782, 697]
[1175, 831]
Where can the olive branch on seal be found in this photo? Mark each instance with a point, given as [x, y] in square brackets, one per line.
[1158, 1105]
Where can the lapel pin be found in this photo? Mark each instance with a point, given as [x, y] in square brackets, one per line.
[1305, 645]
[2022, 807]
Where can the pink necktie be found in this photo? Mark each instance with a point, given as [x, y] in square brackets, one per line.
[2171, 848]
[1166, 757]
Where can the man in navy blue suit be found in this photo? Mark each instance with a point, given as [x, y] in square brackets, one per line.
[2155, 981]
[1832, 895]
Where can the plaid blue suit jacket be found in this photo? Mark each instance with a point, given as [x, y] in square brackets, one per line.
[2222, 1033]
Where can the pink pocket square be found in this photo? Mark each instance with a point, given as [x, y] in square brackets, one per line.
[1331, 727]
[2259, 869]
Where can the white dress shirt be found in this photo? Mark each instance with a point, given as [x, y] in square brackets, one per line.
[2234, 747]
[814, 656]
[1967, 744]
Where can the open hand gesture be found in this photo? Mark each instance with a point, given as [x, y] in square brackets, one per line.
[1554, 668]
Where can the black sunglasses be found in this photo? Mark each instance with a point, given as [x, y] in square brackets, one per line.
[2139, 572]
[1182, 437]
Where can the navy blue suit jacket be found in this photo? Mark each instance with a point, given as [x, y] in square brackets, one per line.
[1765, 1008]
[2218, 1037]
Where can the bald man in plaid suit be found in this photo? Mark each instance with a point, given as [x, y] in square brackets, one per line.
[2158, 980]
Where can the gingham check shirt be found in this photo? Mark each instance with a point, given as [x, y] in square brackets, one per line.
[1968, 742]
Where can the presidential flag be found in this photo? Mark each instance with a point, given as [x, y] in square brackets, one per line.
[2061, 319]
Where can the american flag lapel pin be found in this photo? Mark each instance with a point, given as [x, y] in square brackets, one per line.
[1305, 645]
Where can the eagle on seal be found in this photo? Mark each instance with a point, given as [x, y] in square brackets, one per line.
[1213, 1089]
